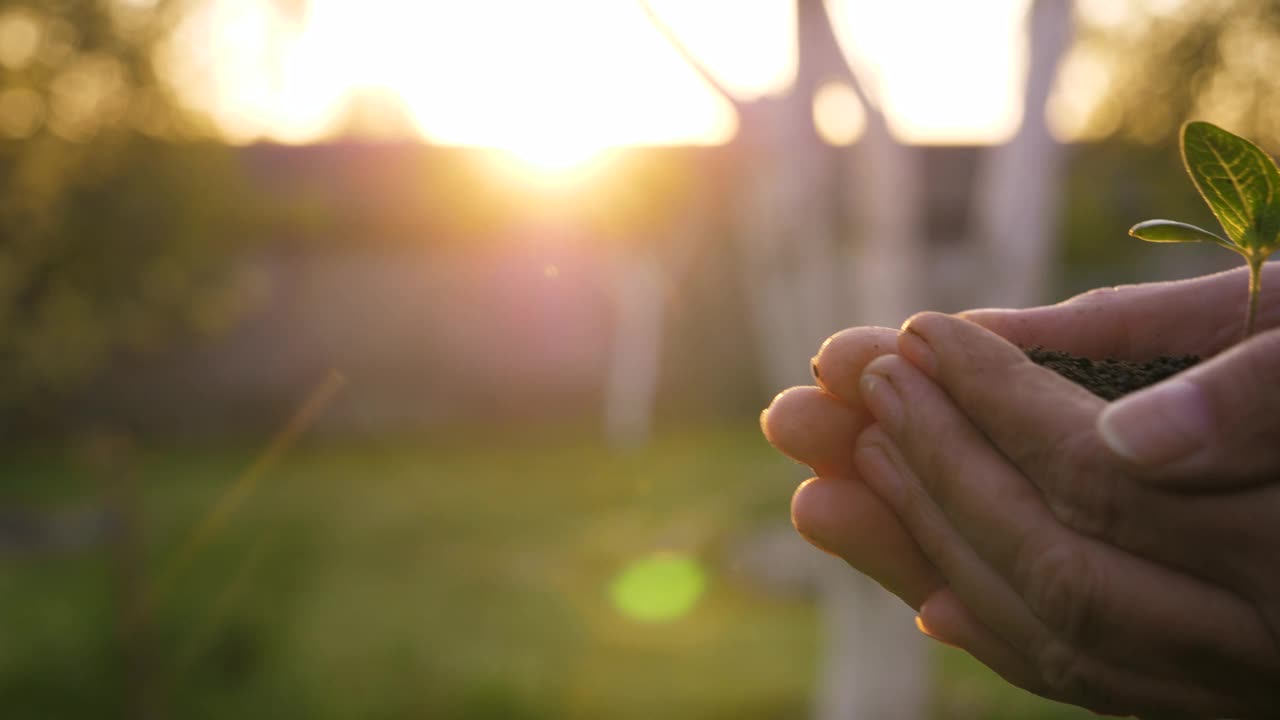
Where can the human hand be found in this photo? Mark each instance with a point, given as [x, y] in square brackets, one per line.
[816, 425]
[839, 513]
[1176, 317]
[1138, 573]
[835, 511]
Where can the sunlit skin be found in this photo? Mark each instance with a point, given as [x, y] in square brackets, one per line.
[556, 82]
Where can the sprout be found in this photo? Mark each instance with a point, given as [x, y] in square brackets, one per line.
[1241, 184]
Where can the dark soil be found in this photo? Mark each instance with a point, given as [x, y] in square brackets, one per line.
[1110, 378]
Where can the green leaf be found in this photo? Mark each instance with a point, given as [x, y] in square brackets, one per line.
[1239, 181]
[1168, 231]
[1268, 225]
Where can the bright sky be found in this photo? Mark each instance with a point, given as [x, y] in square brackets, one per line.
[559, 79]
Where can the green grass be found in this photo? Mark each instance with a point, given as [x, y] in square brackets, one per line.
[458, 578]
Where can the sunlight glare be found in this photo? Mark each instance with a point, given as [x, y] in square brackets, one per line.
[559, 80]
[947, 72]
[550, 145]
[749, 46]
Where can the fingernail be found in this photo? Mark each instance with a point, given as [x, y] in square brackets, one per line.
[881, 398]
[924, 627]
[1159, 425]
[813, 369]
[925, 630]
[914, 348]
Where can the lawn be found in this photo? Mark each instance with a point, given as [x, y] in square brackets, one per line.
[439, 577]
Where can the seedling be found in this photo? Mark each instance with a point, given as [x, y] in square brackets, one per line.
[1241, 184]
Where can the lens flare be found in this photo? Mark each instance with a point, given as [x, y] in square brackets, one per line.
[658, 588]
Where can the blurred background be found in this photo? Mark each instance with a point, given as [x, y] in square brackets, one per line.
[402, 358]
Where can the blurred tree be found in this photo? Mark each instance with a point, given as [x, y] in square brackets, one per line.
[788, 204]
[1168, 62]
[805, 283]
[1136, 71]
[115, 228]
[1018, 188]
[798, 196]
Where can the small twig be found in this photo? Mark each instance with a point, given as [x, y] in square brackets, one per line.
[686, 54]
[245, 484]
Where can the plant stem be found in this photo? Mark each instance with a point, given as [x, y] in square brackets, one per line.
[1255, 289]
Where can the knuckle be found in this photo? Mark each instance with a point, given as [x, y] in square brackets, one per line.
[1072, 677]
[935, 466]
[1256, 367]
[1081, 495]
[1063, 670]
[1247, 398]
[936, 545]
[937, 472]
[1061, 589]
[929, 527]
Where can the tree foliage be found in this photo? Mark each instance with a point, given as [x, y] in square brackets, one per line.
[114, 226]
[1167, 63]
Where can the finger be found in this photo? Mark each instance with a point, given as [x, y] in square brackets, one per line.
[990, 596]
[843, 517]
[1066, 672]
[1095, 599]
[1212, 427]
[813, 427]
[1037, 419]
[1046, 429]
[839, 363]
[1138, 322]
[944, 617]
[1213, 431]
[837, 513]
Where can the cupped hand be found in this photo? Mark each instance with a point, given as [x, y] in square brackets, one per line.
[1126, 552]
[1217, 424]
[839, 513]
[834, 510]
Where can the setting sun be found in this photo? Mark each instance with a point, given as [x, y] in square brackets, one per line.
[552, 147]
[557, 81]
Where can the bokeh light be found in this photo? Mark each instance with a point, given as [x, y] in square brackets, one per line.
[837, 114]
[19, 38]
[659, 588]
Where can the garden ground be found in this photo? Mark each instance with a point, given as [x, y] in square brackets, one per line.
[445, 577]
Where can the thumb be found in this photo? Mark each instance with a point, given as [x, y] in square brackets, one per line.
[1215, 426]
